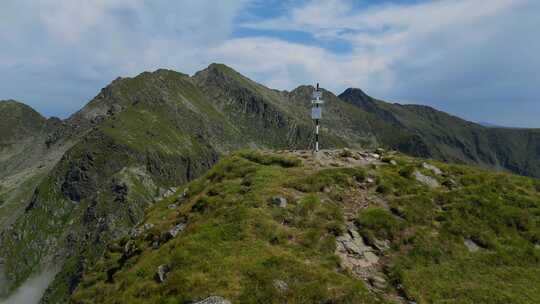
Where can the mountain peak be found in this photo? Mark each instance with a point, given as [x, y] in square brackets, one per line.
[216, 66]
[217, 70]
[14, 104]
[18, 120]
[355, 96]
[15, 109]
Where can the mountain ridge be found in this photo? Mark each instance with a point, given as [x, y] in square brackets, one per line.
[143, 136]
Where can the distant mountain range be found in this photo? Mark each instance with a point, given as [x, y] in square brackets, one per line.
[68, 187]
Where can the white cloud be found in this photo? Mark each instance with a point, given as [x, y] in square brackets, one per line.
[63, 51]
[31, 291]
[284, 65]
[383, 36]
[459, 55]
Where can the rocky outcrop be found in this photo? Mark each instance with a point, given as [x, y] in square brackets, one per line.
[353, 251]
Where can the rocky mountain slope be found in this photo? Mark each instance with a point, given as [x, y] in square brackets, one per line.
[68, 188]
[136, 140]
[341, 227]
[28, 150]
[449, 138]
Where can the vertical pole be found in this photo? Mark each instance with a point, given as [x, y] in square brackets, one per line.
[317, 134]
[317, 126]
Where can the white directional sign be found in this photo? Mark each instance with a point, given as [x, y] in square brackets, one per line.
[316, 113]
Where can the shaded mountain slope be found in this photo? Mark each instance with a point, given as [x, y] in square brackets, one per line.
[449, 138]
[30, 145]
[344, 227]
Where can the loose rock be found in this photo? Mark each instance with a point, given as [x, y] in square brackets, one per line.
[138, 231]
[378, 282]
[130, 248]
[177, 229]
[471, 245]
[214, 300]
[279, 201]
[281, 286]
[346, 153]
[381, 245]
[432, 168]
[353, 251]
[161, 273]
[426, 180]
[450, 183]
[375, 155]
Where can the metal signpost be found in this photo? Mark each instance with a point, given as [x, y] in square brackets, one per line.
[316, 113]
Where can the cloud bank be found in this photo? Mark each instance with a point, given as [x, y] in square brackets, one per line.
[477, 59]
[32, 290]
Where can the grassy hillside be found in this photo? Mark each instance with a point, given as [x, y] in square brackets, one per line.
[146, 135]
[69, 187]
[140, 137]
[271, 228]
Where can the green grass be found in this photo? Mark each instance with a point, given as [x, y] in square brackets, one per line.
[235, 245]
[500, 212]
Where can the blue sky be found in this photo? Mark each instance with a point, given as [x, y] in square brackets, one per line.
[475, 59]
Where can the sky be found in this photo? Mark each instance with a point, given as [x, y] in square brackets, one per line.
[477, 59]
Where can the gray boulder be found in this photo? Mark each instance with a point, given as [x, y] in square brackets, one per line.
[426, 180]
[279, 201]
[177, 229]
[471, 245]
[161, 273]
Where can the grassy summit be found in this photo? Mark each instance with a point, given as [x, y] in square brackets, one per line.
[346, 227]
